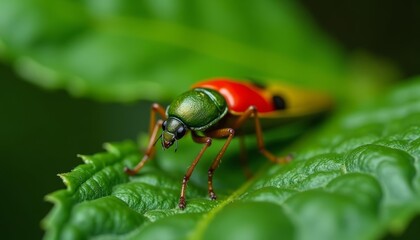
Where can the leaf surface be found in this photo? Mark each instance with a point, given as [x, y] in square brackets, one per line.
[356, 178]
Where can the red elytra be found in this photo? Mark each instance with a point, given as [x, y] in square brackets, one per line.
[239, 95]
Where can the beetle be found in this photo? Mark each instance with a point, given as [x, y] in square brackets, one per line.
[219, 108]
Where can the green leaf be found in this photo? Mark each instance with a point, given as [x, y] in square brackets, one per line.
[357, 178]
[129, 50]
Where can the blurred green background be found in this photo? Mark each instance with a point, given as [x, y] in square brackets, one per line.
[42, 131]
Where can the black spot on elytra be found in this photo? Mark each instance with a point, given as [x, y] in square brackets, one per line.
[279, 102]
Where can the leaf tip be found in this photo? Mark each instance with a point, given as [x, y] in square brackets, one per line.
[86, 159]
[65, 179]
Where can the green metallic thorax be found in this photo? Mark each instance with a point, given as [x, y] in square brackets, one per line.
[199, 108]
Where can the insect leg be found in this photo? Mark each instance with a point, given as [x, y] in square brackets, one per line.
[199, 139]
[252, 112]
[156, 108]
[219, 133]
[153, 130]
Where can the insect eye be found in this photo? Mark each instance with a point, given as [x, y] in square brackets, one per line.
[164, 126]
[180, 132]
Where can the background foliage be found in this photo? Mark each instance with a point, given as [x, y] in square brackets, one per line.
[120, 51]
